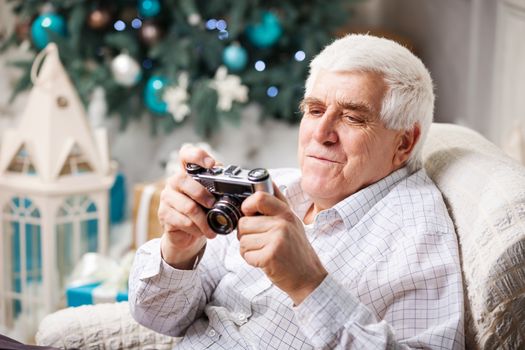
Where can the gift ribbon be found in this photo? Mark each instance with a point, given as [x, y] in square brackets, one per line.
[97, 268]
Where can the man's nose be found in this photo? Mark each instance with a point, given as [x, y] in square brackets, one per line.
[325, 131]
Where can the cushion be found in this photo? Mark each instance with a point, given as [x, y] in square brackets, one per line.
[485, 193]
[101, 326]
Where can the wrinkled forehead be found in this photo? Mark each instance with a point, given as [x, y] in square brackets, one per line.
[365, 88]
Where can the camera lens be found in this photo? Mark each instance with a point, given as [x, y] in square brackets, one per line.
[225, 215]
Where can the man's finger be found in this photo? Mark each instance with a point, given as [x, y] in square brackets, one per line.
[254, 224]
[188, 207]
[190, 187]
[175, 222]
[255, 241]
[191, 154]
[263, 203]
[277, 193]
[260, 257]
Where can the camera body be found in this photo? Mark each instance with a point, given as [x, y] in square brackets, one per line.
[231, 185]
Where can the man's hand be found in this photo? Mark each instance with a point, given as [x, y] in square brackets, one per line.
[182, 218]
[275, 241]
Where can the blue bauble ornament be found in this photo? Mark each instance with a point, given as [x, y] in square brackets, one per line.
[47, 22]
[149, 8]
[153, 94]
[235, 57]
[265, 33]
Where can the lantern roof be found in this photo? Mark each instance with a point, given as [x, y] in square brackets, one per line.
[53, 145]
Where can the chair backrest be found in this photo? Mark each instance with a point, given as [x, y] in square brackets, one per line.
[485, 193]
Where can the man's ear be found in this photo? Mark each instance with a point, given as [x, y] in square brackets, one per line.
[407, 141]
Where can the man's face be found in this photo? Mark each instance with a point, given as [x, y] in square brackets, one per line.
[343, 147]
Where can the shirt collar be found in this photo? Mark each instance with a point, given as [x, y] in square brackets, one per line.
[352, 209]
[298, 200]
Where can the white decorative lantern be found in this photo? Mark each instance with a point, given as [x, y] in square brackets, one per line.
[55, 174]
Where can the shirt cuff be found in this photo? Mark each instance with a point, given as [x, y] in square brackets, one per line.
[153, 265]
[326, 311]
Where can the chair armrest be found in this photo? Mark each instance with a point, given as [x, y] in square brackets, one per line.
[484, 191]
[101, 326]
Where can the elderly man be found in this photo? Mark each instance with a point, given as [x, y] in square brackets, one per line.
[354, 251]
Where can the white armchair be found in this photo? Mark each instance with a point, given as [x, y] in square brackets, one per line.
[485, 193]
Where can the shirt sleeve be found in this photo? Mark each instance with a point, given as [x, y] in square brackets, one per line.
[166, 299]
[422, 305]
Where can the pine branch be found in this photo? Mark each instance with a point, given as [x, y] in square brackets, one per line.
[87, 53]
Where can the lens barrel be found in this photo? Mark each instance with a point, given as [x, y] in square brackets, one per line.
[225, 215]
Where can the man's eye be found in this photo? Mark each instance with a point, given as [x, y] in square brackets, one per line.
[352, 119]
[315, 111]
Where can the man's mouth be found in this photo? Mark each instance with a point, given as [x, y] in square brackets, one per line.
[324, 159]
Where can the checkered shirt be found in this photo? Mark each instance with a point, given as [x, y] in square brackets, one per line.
[394, 279]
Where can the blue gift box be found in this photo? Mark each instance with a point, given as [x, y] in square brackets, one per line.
[83, 295]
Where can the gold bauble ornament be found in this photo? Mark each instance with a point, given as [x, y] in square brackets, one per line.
[99, 18]
[150, 33]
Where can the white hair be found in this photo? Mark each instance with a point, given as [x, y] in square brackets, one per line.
[409, 98]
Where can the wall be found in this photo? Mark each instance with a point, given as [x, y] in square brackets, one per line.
[507, 127]
[439, 32]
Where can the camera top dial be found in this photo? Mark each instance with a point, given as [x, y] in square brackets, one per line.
[258, 174]
[193, 168]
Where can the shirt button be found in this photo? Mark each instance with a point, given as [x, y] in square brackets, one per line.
[242, 317]
[212, 333]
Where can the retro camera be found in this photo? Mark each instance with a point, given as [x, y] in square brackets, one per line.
[231, 185]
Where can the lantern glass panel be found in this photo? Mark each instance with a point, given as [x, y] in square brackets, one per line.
[65, 258]
[22, 163]
[76, 163]
[89, 229]
[22, 259]
[76, 232]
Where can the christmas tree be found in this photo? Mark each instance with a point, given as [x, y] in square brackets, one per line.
[179, 58]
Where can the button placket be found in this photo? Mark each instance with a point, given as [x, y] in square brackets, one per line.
[241, 316]
[213, 334]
